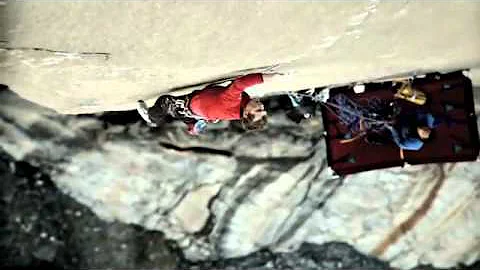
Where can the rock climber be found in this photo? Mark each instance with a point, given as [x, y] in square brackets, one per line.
[212, 104]
[410, 131]
[380, 122]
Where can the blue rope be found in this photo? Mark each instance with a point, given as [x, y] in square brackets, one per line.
[350, 113]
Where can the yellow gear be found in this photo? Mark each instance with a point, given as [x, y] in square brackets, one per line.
[407, 93]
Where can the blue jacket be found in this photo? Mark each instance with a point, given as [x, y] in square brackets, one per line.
[405, 134]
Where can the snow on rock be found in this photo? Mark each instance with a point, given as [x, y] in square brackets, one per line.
[228, 194]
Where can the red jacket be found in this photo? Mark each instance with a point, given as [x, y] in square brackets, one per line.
[224, 103]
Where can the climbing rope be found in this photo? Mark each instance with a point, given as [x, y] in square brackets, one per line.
[370, 116]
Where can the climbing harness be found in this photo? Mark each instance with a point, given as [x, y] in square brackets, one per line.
[182, 109]
[177, 107]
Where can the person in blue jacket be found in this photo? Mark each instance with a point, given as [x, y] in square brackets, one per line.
[410, 131]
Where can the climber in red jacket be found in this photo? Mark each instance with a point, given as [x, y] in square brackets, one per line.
[212, 104]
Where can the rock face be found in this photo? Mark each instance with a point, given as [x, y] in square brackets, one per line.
[82, 57]
[41, 226]
[44, 228]
[228, 194]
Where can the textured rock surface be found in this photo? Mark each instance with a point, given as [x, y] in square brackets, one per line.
[227, 199]
[41, 226]
[228, 194]
[79, 57]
